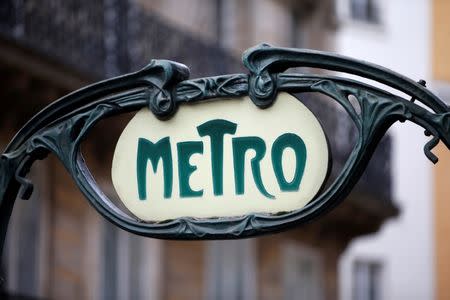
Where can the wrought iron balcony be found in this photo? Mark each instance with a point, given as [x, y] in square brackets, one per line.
[106, 38]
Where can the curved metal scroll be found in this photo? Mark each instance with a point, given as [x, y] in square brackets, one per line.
[163, 85]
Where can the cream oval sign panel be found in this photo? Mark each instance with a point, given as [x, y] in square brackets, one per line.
[221, 159]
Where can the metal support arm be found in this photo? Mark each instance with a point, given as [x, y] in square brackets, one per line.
[163, 86]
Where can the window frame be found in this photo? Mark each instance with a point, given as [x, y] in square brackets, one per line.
[221, 268]
[372, 279]
[296, 252]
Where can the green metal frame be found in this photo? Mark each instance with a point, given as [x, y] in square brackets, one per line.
[163, 86]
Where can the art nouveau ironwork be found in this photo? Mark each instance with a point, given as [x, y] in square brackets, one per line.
[164, 85]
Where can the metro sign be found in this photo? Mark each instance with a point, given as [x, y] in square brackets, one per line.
[221, 157]
[224, 158]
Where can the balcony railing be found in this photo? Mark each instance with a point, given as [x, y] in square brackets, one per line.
[110, 37]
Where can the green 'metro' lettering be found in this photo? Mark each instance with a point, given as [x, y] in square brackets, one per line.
[154, 152]
[216, 129]
[294, 142]
[185, 169]
[240, 147]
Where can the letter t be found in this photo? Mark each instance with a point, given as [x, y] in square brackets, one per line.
[216, 129]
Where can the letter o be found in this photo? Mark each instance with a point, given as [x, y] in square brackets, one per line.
[296, 143]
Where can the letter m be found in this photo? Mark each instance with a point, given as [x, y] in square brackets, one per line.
[147, 151]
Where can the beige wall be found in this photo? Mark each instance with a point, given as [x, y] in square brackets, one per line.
[441, 72]
[441, 40]
[442, 221]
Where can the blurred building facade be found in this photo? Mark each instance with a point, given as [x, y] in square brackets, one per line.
[59, 248]
[441, 189]
[409, 257]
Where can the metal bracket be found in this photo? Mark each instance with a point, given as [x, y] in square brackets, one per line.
[163, 85]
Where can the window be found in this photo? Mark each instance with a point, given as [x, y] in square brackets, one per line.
[231, 270]
[365, 10]
[25, 253]
[302, 273]
[130, 265]
[367, 280]
[110, 287]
